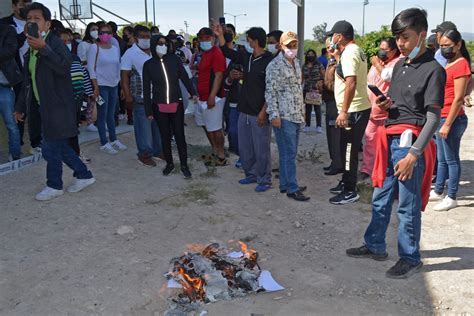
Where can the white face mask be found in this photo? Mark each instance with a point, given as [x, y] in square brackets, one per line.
[161, 50]
[272, 48]
[248, 48]
[69, 46]
[144, 43]
[290, 53]
[94, 34]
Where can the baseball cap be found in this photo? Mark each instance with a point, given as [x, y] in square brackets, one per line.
[342, 27]
[445, 26]
[288, 37]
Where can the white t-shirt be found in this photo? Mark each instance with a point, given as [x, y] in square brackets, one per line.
[20, 27]
[82, 50]
[134, 58]
[107, 72]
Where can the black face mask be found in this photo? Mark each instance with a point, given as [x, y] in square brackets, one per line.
[447, 52]
[23, 13]
[311, 58]
[382, 55]
[228, 37]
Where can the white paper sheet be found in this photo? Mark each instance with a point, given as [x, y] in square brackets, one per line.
[172, 284]
[268, 283]
[235, 254]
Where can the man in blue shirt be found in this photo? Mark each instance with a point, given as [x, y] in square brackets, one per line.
[323, 59]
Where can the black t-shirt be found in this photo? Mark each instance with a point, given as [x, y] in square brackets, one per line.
[414, 87]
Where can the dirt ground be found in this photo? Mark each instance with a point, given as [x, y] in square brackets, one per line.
[66, 257]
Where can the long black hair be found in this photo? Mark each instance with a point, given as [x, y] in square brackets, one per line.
[456, 37]
[87, 36]
[306, 61]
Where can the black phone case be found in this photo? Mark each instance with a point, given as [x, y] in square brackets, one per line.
[33, 30]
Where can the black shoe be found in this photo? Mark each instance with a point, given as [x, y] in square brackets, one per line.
[327, 168]
[186, 172]
[301, 189]
[130, 122]
[276, 170]
[403, 269]
[333, 172]
[364, 252]
[298, 196]
[338, 189]
[345, 197]
[168, 169]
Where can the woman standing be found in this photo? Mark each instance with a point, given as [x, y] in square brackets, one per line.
[103, 64]
[453, 119]
[163, 101]
[313, 79]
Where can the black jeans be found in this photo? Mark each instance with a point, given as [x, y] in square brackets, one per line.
[172, 124]
[354, 136]
[317, 110]
[333, 135]
[34, 124]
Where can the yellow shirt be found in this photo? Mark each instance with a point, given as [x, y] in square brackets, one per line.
[353, 62]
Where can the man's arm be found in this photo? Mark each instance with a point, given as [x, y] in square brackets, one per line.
[10, 45]
[125, 84]
[56, 55]
[216, 85]
[271, 96]
[349, 92]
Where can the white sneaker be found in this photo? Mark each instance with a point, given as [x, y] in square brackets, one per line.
[122, 117]
[92, 128]
[435, 196]
[445, 205]
[80, 184]
[84, 159]
[107, 148]
[48, 194]
[117, 145]
[307, 129]
[319, 130]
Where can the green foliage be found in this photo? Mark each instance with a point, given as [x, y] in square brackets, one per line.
[319, 32]
[470, 48]
[371, 41]
[311, 44]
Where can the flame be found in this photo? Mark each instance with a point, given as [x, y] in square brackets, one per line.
[192, 287]
[245, 250]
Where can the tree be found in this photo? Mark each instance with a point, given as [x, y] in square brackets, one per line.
[319, 32]
[371, 41]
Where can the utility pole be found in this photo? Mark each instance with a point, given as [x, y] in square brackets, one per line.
[300, 30]
[393, 9]
[235, 17]
[154, 13]
[186, 26]
[146, 13]
[366, 2]
[444, 11]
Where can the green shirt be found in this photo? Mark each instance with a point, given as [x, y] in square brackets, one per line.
[32, 68]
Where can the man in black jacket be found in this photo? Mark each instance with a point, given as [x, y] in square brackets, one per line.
[10, 75]
[47, 85]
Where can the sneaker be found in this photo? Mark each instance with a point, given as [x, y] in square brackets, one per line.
[403, 269]
[338, 189]
[84, 159]
[118, 145]
[186, 172]
[80, 184]
[445, 205]
[107, 148]
[364, 252]
[263, 188]
[48, 194]
[435, 196]
[345, 197]
[36, 150]
[92, 128]
[307, 129]
[301, 189]
[247, 181]
[147, 161]
[298, 196]
[238, 164]
[319, 130]
[168, 169]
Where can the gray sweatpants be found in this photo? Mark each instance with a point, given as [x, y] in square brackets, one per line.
[254, 149]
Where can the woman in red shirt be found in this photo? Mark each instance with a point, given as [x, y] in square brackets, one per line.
[453, 120]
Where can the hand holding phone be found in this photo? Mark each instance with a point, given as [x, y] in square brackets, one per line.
[377, 92]
[32, 29]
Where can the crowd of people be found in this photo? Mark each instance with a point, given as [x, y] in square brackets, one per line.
[248, 87]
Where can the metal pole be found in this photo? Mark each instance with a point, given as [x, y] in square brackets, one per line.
[301, 31]
[110, 12]
[393, 9]
[154, 13]
[216, 10]
[363, 19]
[273, 15]
[146, 13]
[444, 11]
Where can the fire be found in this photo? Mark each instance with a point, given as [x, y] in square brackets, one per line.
[193, 287]
[249, 254]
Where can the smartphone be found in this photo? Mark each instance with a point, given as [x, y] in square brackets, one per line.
[100, 101]
[32, 29]
[222, 21]
[377, 92]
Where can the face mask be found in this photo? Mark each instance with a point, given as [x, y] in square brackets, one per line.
[272, 48]
[248, 48]
[105, 38]
[382, 55]
[290, 53]
[43, 34]
[144, 43]
[447, 52]
[228, 37]
[205, 46]
[94, 34]
[23, 13]
[69, 46]
[154, 34]
[332, 44]
[415, 50]
[78, 41]
[311, 58]
[161, 50]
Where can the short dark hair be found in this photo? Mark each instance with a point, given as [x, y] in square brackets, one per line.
[324, 51]
[414, 19]
[15, 2]
[63, 31]
[205, 31]
[40, 7]
[231, 26]
[113, 25]
[258, 34]
[275, 34]
[154, 28]
[129, 29]
[140, 28]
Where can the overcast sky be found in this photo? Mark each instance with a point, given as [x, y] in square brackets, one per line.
[173, 13]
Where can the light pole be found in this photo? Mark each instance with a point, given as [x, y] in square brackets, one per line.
[393, 9]
[235, 17]
[154, 14]
[146, 12]
[366, 2]
[444, 11]
[186, 25]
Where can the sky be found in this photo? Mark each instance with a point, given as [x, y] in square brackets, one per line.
[173, 13]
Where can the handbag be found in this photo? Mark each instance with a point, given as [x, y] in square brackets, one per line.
[313, 97]
[168, 107]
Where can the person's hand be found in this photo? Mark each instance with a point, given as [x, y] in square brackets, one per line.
[36, 43]
[342, 120]
[444, 131]
[375, 60]
[385, 104]
[235, 75]
[150, 117]
[96, 93]
[211, 102]
[217, 29]
[468, 101]
[276, 122]
[262, 118]
[404, 168]
[122, 95]
[129, 102]
[19, 117]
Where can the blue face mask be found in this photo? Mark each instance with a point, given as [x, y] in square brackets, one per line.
[332, 44]
[415, 50]
[248, 48]
[205, 46]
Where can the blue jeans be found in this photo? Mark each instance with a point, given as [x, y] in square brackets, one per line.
[409, 208]
[233, 133]
[147, 134]
[106, 113]
[7, 102]
[449, 162]
[287, 139]
[55, 153]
